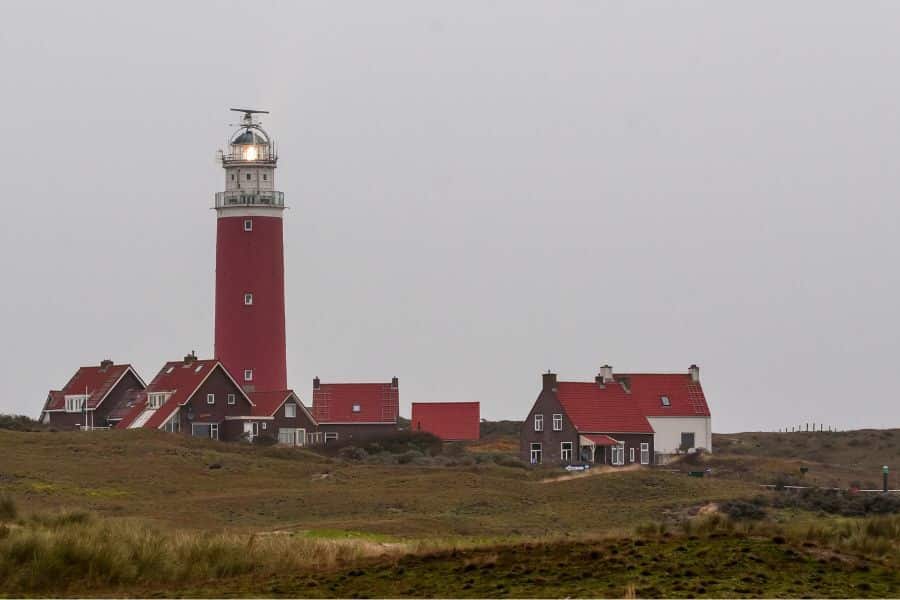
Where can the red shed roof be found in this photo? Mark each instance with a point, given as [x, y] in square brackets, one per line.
[598, 439]
[453, 421]
[685, 396]
[180, 379]
[601, 409]
[356, 403]
[96, 381]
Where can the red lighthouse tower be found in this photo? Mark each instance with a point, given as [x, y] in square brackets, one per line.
[250, 337]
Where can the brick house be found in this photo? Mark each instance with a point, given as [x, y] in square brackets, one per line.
[281, 415]
[355, 411]
[594, 422]
[90, 399]
[450, 421]
[192, 397]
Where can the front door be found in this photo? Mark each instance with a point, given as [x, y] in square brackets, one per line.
[248, 431]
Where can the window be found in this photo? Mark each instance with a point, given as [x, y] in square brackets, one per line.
[565, 451]
[618, 454]
[265, 177]
[231, 399]
[645, 453]
[173, 425]
[170, 369]
[156, 400]
[248, 299]
[210, 430]
[536, 454]
[286, 436]
[631, 454]
[290, 410]
[265, 425]
[357, 408]
[76, 402]
[199, 368]
[687, 441]
[664, 400]
[248, 224]
[248, 176]
[538, 422]
[210, 398]
[330, 435]
[248, 374]
[557, 422]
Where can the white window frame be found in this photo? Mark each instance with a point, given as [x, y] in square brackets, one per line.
[248, 374]
[617, 454]
[557, 422]
[330, 435]
[213, 430]
[232, 399]
[537, 453]
[538, 422]
[290, 410]
[631, 454]
[565, 454]
[248, 298]
[210, 398]
[157, 399]
[645, 453]
[248, 224]
[76, 403]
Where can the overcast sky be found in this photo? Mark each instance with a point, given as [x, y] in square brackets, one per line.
[479, 192]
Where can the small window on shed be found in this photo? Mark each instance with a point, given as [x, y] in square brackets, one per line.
[357, 408]
[665, 401]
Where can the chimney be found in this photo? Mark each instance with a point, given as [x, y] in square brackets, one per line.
[549, 381]
[189, 358]
[694, 370]
[395, 383]
[606, 374]
[105, 364]
[315, 383]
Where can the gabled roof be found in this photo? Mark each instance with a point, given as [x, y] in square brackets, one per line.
[128, 401]
[266, 404]
[452, 421]
[377, 402]
[96, 381]
[593, 408]
[181, 379]
[686, 398]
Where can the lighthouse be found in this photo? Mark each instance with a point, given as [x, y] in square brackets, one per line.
[249, 329]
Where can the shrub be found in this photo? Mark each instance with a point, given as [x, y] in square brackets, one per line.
[505, 460]
[739, 509]
[409, 456]
[20, 423]
[8, 509]
[265, 440]
[353, 453]
[397, 442]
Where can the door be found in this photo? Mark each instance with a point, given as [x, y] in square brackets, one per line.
[299, 437]
[248, 431]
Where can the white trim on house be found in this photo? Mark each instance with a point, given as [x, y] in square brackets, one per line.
[645, 453]
[357, 422]
[249, 418]
[563, 450]
[557, 417]
[538, 421]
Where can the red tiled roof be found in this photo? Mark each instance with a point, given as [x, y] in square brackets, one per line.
[597, 409]
[448, 420]
[96, 381]
[267, 403]
[181, 379]
[131, 398]
[377, 402]
[686, 397]
[601, 440]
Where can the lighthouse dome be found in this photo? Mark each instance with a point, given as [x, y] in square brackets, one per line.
[250, 136]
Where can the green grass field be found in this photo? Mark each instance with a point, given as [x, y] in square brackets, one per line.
[147, 513]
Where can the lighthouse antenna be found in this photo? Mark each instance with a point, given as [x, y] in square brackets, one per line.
[248, 114]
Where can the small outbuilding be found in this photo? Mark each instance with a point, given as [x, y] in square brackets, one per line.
[355, 411]
[450, 421]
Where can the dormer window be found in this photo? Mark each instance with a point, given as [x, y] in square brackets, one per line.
[76, 402]
[157, 399]
[664, 400]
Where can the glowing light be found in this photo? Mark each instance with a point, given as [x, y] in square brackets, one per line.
[251, 153]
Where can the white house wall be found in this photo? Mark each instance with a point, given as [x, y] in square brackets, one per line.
[669, 429]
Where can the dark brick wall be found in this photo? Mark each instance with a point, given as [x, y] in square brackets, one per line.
[220, 385]
[362, 432]
[547, 405]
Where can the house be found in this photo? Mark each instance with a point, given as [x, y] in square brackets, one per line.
[90, 398]
[450, 421]
[675, 406]
[355, 411]
[595, 422]
[281, 415]
[194, 397]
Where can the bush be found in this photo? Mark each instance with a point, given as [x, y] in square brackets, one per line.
[8, 509]
[20, 423]
[505, 460]
[397, 442]
[264, 440]
[353, 453]
[739, 509]
[409, 456]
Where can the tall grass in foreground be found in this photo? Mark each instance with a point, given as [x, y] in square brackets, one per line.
[75, 551]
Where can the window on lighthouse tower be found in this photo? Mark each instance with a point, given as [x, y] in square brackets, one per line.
[248, 299]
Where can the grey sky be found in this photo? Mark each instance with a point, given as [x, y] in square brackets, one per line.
[479, 192]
